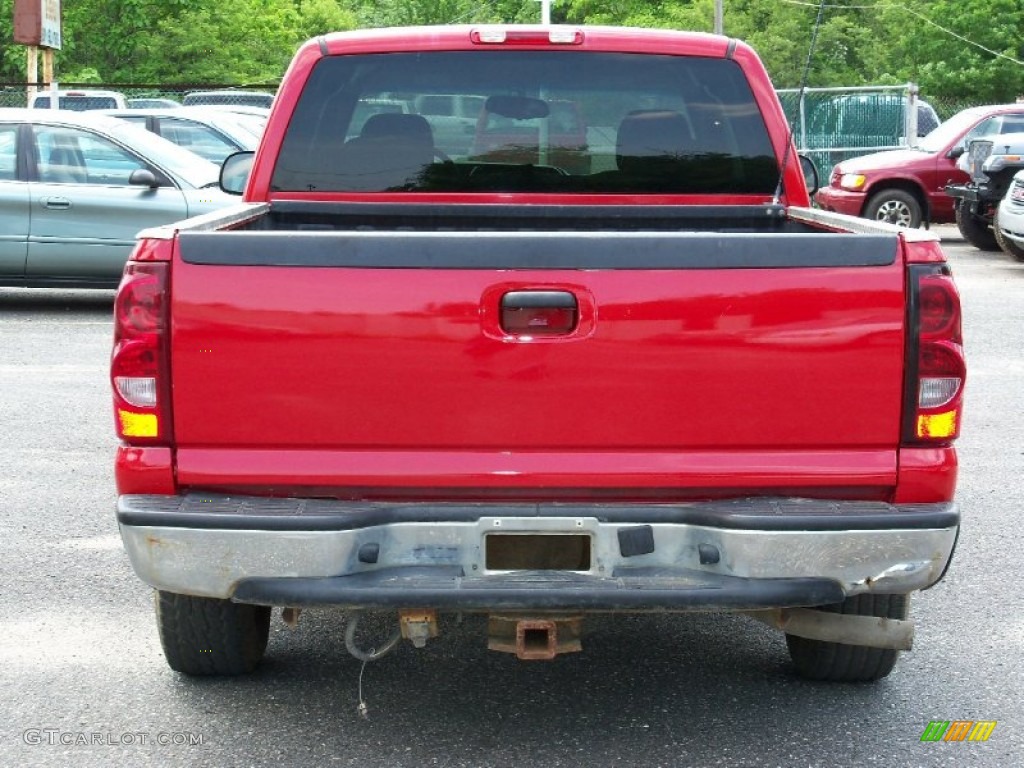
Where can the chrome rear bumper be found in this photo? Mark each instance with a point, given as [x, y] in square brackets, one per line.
[723, 555]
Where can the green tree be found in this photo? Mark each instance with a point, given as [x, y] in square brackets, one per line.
[860, 42]
[318, 17]
[398, 13]
[951, 67]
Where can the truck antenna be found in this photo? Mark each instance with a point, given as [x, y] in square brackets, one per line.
[799, 100]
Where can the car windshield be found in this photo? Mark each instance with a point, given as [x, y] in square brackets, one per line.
[513, 121]
[949, 131]
[193, 169]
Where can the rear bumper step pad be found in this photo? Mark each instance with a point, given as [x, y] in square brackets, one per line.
[627, 590]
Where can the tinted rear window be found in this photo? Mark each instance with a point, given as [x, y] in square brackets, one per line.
[78, 103]
[234, 98]
[559, 122]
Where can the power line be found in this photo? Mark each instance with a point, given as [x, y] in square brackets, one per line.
[470, 14]
[919, 15]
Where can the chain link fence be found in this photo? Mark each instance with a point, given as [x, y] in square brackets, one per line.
[834, 124]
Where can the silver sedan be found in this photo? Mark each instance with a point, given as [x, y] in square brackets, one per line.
[75, 189]
[208, 131]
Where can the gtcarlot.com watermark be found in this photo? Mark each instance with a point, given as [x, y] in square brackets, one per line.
[51, 737]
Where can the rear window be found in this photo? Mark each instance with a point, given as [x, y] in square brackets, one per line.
[77, 103]
[229, 98]
[516, 121]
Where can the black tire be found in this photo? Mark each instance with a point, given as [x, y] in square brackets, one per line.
[205, 636]
[1009, 247]
[975, 230]
[841, 663]
[895, 206]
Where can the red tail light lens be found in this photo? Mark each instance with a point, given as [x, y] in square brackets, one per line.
[138, 366]
[936, 378]
[939, 308]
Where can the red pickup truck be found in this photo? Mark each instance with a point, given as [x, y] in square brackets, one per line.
[397, 380]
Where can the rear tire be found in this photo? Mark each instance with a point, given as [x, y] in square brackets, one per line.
[894, 206]
[206, 636]
[975, 231]
[1008, 246]
[838, 662]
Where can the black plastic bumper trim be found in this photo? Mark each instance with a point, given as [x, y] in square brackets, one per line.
[446, 588]
[216, 512]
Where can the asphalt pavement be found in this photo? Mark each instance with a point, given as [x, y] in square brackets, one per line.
[83, 681]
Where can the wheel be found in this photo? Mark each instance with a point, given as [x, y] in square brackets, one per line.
[1006, 244]
[838, 662]
[895, 206]
[207, 636]
[975, 230]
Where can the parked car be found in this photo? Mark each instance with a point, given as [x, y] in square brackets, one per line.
[75, 189]
[1009, 219]
[907, 186]
[80, 100]
[209, 132]
[153, 103]
[229, 96]
[672, 395]
[991, 163]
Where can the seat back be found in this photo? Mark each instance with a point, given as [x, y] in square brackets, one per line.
[651, 141]
[391, 151]
[65, 163]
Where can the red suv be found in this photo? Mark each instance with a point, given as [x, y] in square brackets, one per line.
[907, 186]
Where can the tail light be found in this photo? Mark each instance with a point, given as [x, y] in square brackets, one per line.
[139, 365]
[935, 368]
[555, 35]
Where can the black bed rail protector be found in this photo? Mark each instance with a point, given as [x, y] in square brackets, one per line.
[574, 250]
[475, 216]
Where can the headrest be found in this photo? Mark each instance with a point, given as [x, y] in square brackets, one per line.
[391, 124]
[646, 135]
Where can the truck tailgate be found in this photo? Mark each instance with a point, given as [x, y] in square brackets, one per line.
[697, 361]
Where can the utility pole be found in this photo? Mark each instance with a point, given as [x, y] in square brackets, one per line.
[545, 11]
[718, 18]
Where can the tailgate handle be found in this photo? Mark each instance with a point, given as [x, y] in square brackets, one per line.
[539, 313]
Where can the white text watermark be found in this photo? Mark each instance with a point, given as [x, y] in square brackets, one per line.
[58, 737]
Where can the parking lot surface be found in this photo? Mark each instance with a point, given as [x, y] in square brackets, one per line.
[83, 681]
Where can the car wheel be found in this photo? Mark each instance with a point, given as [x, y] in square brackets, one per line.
[1006, 244]
[839, 662]
[895, 206]
[206, 636]
[975, 230]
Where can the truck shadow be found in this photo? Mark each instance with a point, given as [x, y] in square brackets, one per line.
[33, 300]
[646, 690]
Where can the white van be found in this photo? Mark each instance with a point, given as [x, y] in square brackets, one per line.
[80, 100]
